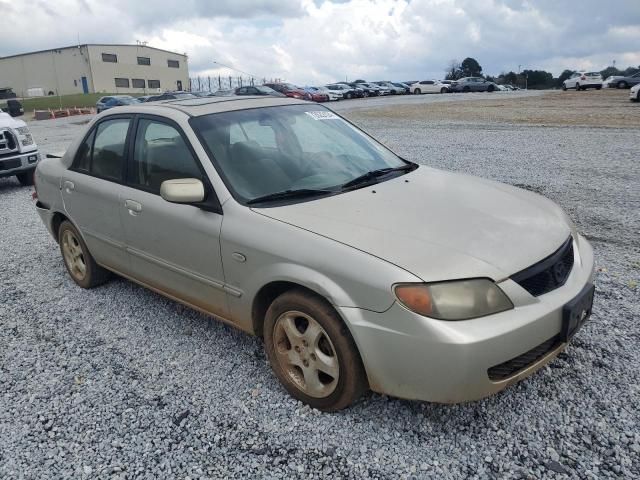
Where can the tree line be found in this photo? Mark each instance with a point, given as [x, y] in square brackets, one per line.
[534, 79]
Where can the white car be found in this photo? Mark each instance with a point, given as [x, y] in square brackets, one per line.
[583, 80]
[18, 151]
[429, 86]
[634, 93]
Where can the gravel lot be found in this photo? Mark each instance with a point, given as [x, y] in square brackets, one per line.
[119, 382]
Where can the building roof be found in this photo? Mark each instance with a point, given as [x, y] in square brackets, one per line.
[94, 45]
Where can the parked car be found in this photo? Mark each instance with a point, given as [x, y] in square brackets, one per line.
[288, 89]
[323, 92]
[18, 150]
[105, 103]
[634, 93]
[359, 91]
[393, 89]
[323, 250]
[368, 90]
[583, 80]
[257, 90]
[472, 84]
[7, 92]
[346, 91]
[428, 86]
[622, 81]
[315, 95]
[403, 86]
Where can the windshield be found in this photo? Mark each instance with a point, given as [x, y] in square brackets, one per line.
[263, 151]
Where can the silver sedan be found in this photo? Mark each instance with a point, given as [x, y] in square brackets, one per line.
[360, 270]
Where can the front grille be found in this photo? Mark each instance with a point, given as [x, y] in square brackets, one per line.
[515, 365]
[8, 142]
[548, 274]
[9, 164]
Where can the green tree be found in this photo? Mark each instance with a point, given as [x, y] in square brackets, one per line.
[470, 68]
[453, 70]
[610, 72]
[563, 76]
[538, 79]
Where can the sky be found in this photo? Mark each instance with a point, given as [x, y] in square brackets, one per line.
[320, 41]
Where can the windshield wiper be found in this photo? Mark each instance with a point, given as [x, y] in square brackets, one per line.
[287, 194]
[367, 178]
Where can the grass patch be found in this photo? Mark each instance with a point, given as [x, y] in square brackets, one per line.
[64, 101]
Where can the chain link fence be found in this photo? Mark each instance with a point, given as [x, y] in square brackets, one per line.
[212, 84]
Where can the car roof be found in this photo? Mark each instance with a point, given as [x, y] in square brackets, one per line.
[195, 107]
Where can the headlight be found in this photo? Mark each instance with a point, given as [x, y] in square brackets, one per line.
[22, 130]
[454, 300]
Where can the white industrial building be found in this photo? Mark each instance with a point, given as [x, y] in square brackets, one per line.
[94, 68]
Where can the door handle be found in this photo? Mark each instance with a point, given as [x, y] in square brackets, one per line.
[133, 206]
[68, 186]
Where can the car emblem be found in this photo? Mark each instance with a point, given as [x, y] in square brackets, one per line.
[559, 271]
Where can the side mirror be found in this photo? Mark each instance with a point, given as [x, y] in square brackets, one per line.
[182, 190]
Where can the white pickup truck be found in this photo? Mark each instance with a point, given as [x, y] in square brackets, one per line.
[18, 151]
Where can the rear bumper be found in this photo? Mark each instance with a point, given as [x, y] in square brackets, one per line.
[46, 216]
[18, 163]
[414, 357]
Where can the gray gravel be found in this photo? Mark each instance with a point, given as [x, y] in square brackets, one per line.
[119, 382]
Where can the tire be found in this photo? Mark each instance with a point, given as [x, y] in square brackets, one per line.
[79, 263]
[490, 88]
[365, 94]
[306, 327]
[349, 96]
[466, 89]
[443, 90]
[26, 178]
[578, 87]
[417, 91]
[598, 88]
[622, 84]
[564, 87]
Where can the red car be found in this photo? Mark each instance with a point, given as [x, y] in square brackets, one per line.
[289, 89]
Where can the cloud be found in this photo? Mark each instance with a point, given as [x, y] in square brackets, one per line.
[317, 41]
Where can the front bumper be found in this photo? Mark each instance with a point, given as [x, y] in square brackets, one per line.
[409, 356]
[18, 163]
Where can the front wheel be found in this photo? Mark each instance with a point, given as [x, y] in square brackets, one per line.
[578, 87]
[443, 90]
[490, 88]
[466, 89]
[312, 352]
[79, 263]
[417, 91]
[622, 84]
[564, 87]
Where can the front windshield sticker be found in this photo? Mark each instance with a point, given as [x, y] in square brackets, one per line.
[322, 115]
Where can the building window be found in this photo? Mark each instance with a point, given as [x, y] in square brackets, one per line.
[144, 61]
[173, 63]
[137, 83]
[153, 83]
[75, 83]
[110, 57]
[122, 82]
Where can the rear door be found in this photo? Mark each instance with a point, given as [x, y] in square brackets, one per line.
[174, 248]
[91, 190]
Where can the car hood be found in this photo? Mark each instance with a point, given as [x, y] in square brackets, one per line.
[438, 225]
[7, 120]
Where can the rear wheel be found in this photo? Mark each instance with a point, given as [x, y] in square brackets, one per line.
[578, 87]
[466, 89]
[490, 88]
[598, 88]
[443, 90]
[417, 91]
[26, 178]
[312, 352]
[622, 84]
[79, 263]
[564, 87]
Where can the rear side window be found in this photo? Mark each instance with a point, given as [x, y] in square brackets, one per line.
[160, 154]
[107, 159]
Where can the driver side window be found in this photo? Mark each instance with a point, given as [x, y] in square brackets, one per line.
[161, 153]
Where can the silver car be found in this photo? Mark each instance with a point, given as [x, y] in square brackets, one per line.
[360, 270]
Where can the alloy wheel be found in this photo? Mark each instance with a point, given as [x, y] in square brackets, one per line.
[73, 255]
[306, 354]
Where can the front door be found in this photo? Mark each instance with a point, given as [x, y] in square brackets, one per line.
[85, 85]
[174, 248]
[91, 191]
[179, 85]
